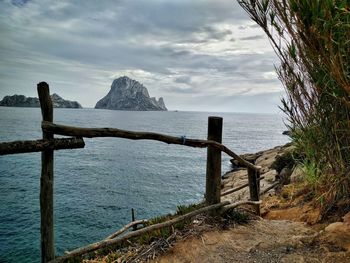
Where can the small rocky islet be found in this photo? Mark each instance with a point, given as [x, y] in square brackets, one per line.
[129, 94]
[23, 101]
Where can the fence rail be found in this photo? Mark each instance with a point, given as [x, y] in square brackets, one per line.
[16, 147]
[53, 128]
[49, 144]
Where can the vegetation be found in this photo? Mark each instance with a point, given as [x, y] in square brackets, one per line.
[237, 216]
[147, 245]
[312, 41]
[286, 160]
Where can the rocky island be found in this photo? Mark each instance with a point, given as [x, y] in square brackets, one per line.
[129, 94]
[23, 101]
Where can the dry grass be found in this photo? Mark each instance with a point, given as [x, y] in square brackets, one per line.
[140, 251]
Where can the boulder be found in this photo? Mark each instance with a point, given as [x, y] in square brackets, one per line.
[297, 175]
[270, 176]
[284, 175]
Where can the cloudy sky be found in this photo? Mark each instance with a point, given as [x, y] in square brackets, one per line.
[202, 55]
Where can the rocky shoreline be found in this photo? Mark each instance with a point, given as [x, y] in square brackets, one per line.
[276, 168]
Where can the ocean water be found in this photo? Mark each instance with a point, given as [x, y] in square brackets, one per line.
[96, 187]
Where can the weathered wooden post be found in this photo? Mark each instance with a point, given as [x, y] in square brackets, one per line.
[133, 219]
[254, 186]
[213, 177]
[46, 180]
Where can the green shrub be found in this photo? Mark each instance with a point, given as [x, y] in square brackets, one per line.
[285, 160]
[237, 216]
[311, 39]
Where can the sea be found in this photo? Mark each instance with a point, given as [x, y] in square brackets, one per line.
[95, 188]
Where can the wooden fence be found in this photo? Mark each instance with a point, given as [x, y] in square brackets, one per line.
[48, 144]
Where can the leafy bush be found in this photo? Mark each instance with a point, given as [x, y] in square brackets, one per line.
[312, 41]
[287, 159]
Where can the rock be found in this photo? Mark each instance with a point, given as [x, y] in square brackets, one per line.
[59, 102]
[307, 214]
[226, 175]
[266, 160]
[234, 162]
[128, 94]
[284, 175]
[234, 179]
[297, 175]
[337, 227]
[294, 258]
[288, 133]
[283, 160]
[19, 101]
[161, 103]
[23, 101]
[339, 233]
[250, 157]
[346, 219]
[270, 176]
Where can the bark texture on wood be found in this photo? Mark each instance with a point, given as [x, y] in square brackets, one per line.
[133, 218]
[40, 145]
[213, 175]
[126, 227]
[45, 105]
[132, 135]
[254, 187]
[46, 180]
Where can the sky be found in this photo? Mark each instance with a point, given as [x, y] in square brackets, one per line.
[199, 55]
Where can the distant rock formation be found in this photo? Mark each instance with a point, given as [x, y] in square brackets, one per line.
[128, 94]
[59, 102]
[23, 101]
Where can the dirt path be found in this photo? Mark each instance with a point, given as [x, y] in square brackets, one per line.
[259, 241]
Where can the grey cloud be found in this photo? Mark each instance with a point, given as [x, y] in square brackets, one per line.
[184, 47]
[254, 26]
[19, 3]
[214, 33]
[179, 90]
[183, 79]
[256, 37]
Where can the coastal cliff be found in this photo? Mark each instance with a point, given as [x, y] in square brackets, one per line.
[23, 101]
[129, 94]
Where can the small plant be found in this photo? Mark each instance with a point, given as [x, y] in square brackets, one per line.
[185, 209]
[74, 260]
[312, 172]
[158, 219]
[113, 257]
[167, 231]
[236, 216]
[287, 159]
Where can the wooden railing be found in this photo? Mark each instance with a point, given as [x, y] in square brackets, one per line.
[49, 144]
